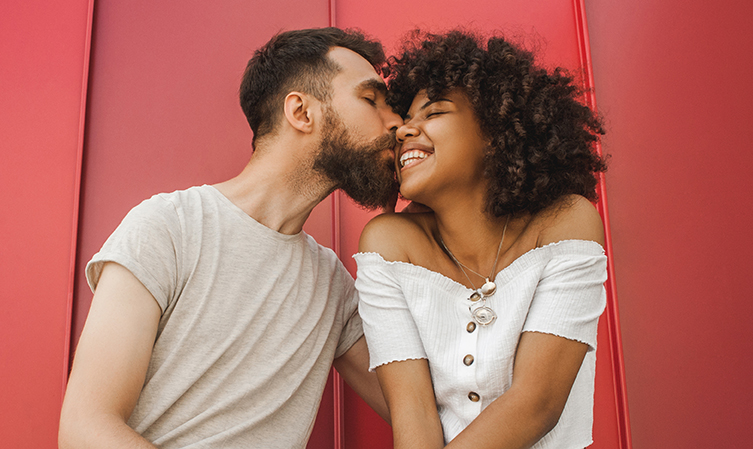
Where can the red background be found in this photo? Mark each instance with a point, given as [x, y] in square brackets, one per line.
[671, 80]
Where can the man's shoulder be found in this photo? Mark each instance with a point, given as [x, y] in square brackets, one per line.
[316, 248]
[191, 195]
[324, 256]
[171, 200]
[164, 214]
[181, 206]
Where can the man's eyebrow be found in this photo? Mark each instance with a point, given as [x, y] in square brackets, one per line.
[374, 84]
[426, 105]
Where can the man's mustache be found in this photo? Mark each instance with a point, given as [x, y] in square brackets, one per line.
[387, 141]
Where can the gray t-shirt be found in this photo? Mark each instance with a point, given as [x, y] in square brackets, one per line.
[251, 321]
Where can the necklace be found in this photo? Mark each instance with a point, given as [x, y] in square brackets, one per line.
[481, 314]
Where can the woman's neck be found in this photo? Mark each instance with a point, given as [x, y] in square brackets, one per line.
[471, 234]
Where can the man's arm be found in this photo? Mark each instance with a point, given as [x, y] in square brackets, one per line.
[353, 366]
[110, 365]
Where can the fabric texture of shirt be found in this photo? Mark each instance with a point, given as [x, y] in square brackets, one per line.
[251, 321]
[410, 312]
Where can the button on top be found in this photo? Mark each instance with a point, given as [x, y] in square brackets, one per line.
[473, 396]
[468, 360]
[470, 327]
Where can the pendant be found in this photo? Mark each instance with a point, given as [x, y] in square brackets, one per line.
[488, 288]
[475, 296]
[484, 315]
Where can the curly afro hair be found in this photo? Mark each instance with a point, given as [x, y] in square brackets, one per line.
[542, 139]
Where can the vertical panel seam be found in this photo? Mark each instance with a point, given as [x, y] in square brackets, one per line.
[77, 192]
[613, 324]
[337, 382]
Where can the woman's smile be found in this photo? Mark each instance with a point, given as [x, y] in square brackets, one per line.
[412, 153]
[412, 157]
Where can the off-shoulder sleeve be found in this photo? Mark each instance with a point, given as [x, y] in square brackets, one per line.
[388, 325]
[570, 295]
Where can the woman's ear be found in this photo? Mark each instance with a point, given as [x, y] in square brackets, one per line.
[301, 111]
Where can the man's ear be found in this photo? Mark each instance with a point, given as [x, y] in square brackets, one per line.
[301, 111]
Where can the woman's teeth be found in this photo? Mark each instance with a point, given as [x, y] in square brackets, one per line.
[412, 156]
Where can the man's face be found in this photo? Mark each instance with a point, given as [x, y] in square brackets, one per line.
[357, 144]
[358, 167]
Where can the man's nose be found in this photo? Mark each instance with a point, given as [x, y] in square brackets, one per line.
[391, 120]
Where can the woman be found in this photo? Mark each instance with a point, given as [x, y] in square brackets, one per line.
[481, 315]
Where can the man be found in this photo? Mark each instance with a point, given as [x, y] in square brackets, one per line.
[215, 320]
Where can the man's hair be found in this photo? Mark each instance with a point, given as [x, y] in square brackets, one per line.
[296, 61]
[542, 139]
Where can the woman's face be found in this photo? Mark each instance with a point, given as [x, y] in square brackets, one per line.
[441, 148]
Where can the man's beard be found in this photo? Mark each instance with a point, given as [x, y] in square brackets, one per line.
[359, 169]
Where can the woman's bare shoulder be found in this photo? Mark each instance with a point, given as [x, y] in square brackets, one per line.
[394, 236]
[572, 217]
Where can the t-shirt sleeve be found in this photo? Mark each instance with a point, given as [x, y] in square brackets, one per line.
[353, 329]
[147, 243]
[570, 296]
[391, 332]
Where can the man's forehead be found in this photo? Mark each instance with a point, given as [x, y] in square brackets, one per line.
[353, 66]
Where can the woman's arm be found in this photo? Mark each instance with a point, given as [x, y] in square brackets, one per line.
[545, 369]
[392, 334]
[546, 365]
[409, 394]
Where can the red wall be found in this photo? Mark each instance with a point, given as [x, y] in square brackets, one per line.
[555, 30]
[673, 81]
[162, 114]
[43, 66]
[167, 118]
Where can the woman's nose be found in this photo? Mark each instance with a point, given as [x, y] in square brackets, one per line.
[406, 130]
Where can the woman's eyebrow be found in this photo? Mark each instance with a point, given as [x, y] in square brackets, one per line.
[427, 104]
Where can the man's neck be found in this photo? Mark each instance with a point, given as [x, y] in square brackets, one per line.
[276, 190]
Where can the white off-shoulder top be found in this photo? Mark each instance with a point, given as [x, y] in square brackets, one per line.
[410, 312]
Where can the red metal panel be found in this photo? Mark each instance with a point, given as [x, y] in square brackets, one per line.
[556, 30]
[673, 80]
[157, 117]
[45, 56]
[614, 379]
[163, 109]
[164, 114]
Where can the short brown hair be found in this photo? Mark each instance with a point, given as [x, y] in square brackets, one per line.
[296, 60]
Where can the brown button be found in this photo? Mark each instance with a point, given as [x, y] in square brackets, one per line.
[470, 327]
[468, 360]
[473, 396]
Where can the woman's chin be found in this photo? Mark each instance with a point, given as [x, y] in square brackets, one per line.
[406, 193]
[412, 195]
